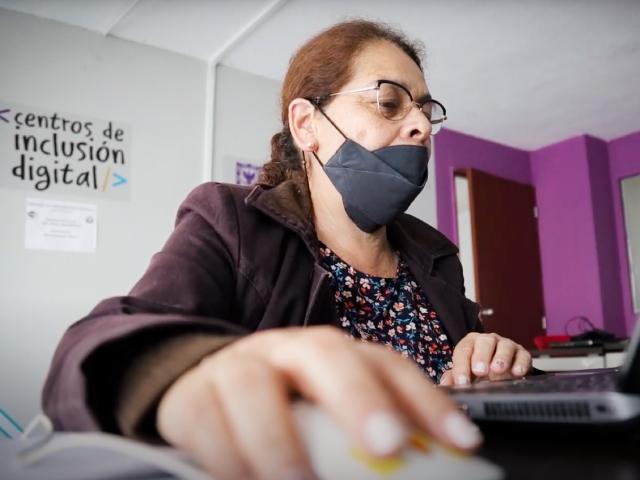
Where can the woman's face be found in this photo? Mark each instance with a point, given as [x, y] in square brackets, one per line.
[356, 114]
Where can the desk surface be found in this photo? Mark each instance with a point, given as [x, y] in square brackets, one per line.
[522, 456]
[537, 456]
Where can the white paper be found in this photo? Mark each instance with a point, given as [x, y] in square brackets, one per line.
[61, 226]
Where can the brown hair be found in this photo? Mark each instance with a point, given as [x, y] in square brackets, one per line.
[321, 66]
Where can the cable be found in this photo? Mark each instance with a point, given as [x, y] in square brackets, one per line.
[11, 420]
[583, 320]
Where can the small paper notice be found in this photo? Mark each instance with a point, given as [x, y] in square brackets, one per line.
[62, 226]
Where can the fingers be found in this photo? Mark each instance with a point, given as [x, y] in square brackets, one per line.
[427, 408]
[483, 351]
[254, 399]
[522, 362]
[503, 357]
[200, 428]
[327, 369]
[486, 356]
[233, 413]
[461, 369]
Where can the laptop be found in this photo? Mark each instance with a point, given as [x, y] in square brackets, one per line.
[609, 396]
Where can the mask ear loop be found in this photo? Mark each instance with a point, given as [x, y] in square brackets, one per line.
[315, 102]
[319, 163]
[311, 213]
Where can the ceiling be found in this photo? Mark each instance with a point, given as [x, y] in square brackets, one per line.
[523, 73]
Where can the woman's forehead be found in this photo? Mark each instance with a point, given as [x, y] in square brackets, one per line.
[384, 60]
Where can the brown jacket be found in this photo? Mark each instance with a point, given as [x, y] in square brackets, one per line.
[240, 259]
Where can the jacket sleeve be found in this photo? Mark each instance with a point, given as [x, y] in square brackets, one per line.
[111, 367]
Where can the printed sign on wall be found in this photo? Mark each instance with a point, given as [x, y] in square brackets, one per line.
[58, 225]
[51, 151]
[247, 173]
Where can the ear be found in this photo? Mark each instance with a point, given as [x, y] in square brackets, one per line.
[302, 123]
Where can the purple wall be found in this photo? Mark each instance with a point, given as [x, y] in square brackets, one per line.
[606, 245]
[578, 203]
[624, 161]
[575, 209]
[457, 150]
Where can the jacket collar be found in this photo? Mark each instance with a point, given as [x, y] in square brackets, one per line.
[289, 205]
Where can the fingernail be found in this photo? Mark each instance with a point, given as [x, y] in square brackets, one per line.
[462, 380]
[480, 367]
[384, 433]
[498, 364]
[461, 431]
[519, 370]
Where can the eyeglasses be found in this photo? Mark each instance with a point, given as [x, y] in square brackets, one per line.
[395, 101]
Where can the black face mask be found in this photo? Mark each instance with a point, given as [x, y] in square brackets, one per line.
[376, 186]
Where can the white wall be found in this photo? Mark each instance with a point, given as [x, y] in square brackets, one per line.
[247, 115]
[465, 238]
[424, 206]
[161, 96]
[631, 205]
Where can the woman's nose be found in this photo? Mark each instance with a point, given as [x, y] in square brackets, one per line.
[418, 126]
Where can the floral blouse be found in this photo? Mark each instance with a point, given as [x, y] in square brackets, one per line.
[392, 311]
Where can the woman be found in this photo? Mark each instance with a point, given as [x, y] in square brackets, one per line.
[207, 349]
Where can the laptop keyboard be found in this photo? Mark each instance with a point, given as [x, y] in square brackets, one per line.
[553, 383]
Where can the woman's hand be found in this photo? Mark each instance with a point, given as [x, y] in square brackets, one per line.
[233, 413]
[486, 356]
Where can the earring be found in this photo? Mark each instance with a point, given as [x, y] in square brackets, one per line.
[312, 147]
